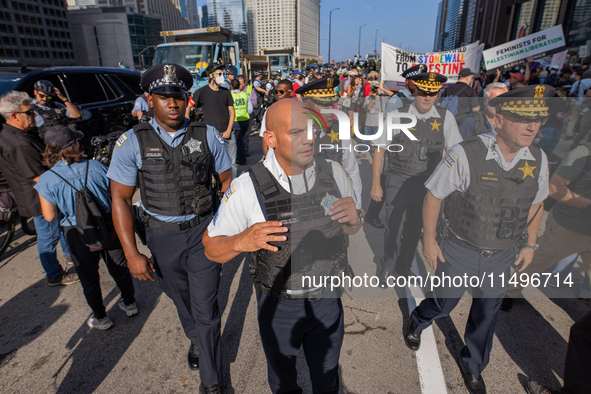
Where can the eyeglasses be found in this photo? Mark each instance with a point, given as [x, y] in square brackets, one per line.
[29, 112]
[41, 95]
[519, 120]
[283, 91]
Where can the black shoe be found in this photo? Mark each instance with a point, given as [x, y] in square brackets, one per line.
[211, 389]
[474, 384]
[507, 304]
[193, 357]
[412, 338]
[384, 278]
[375, 222]
[247, 153]
[533, 387]
[403, 271]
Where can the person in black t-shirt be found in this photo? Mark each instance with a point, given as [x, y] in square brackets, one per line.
[467, 97]
[217, 102]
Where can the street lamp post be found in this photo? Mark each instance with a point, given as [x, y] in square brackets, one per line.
[375, 48]
[359, 46]
[330, 30]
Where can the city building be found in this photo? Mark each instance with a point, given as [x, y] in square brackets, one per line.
[189, 11]
[106, 36]
[284, 24]
[230, 14]
[440, 25]
[35, 33]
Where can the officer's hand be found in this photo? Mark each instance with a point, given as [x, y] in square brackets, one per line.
[138, 266]
[256, 237]
[432, 253]
[59, 94]
[524, 258]
[377, 193]
[344, 211]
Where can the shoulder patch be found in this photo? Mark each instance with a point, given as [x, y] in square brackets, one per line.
[229, 192]
[122, 138]
[449, 160]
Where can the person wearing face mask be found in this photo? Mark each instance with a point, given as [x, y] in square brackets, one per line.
[217, 102]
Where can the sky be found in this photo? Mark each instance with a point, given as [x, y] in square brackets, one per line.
[406, 24]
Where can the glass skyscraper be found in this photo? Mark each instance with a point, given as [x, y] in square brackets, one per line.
[230, 14]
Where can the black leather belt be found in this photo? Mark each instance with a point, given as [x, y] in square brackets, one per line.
[181, 226]
[483, 252]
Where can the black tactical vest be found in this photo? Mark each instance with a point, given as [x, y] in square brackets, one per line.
[332, 138]
[493, 212]
[53, 116]
[573, 218]
[175, 181]
[312, 237]
[419, 158]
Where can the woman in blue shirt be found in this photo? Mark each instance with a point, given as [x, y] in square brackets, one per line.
[56, 191]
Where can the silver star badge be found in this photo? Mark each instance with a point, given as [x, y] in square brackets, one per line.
[194, 145]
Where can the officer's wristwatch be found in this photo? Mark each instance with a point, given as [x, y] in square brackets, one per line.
[534, 247]
[361, 221]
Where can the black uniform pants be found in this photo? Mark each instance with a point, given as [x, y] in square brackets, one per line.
[373, 211]
[484, 312]
[86, 263]
[404, 221]
[191, 281]
[286, 325]
[577, 379]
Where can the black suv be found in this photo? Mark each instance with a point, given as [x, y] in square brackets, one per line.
[104, 95]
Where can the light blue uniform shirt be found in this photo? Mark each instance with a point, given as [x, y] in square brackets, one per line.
[141, 104]
[580, 91]
[57, 192]
[395, 102]
[127, 159]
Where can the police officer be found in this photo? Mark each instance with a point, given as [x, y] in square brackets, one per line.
[397, 100]
[319, 95]
[436, 130]
[141, 107]
[494, 186]
[315, 201]
[173, 160]
[50, 113]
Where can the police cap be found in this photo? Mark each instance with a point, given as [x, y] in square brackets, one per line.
[166, 78]
[321, 91]
[528, 102]
[414, 70]
[429, 82]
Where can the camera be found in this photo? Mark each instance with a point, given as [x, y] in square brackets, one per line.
[374, 88]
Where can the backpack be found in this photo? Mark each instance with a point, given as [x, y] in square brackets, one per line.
[450, 103]
[93, 224]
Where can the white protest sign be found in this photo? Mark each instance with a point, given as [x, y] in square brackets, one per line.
[558, 60]
[538, 45]
[449, 63]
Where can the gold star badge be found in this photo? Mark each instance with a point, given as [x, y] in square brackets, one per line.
[333, 136]
[435, 125]
[527, 170]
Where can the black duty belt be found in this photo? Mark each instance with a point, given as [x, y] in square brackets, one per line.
[310, 296]
[181, 226]
[483, 252]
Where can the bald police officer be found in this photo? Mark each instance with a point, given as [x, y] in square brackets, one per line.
[173, 160]
[493, 186]
[318, 95]
[291, 213]
[436, 130]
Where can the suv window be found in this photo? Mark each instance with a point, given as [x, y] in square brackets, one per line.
[111, 90]
[87, 88]
[53, 78]
[128, 83]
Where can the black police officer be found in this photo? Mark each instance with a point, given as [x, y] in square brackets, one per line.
[173, 160]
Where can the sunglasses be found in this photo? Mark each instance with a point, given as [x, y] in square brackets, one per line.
[519, 120]
[29, 112]
[44, 96]
[283, 91]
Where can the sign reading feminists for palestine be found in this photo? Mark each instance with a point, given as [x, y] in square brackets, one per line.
[513, 53]
[449, 63]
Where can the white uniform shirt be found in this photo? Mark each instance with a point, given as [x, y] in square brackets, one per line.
[453, 172]
[451, 134]
[240, 208]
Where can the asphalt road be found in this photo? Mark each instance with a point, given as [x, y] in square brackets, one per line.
[46, 347]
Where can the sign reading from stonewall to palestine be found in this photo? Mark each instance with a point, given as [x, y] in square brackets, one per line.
[513, 53]
[449, 63]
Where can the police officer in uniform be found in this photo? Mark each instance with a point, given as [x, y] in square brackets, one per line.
[50, 113]
[291, 213]
[319, 95]
[436, 130]
[141, 107]
[494, 186]
[397, 100]
[173, 160]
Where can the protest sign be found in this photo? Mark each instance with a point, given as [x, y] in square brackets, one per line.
[513, 53]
